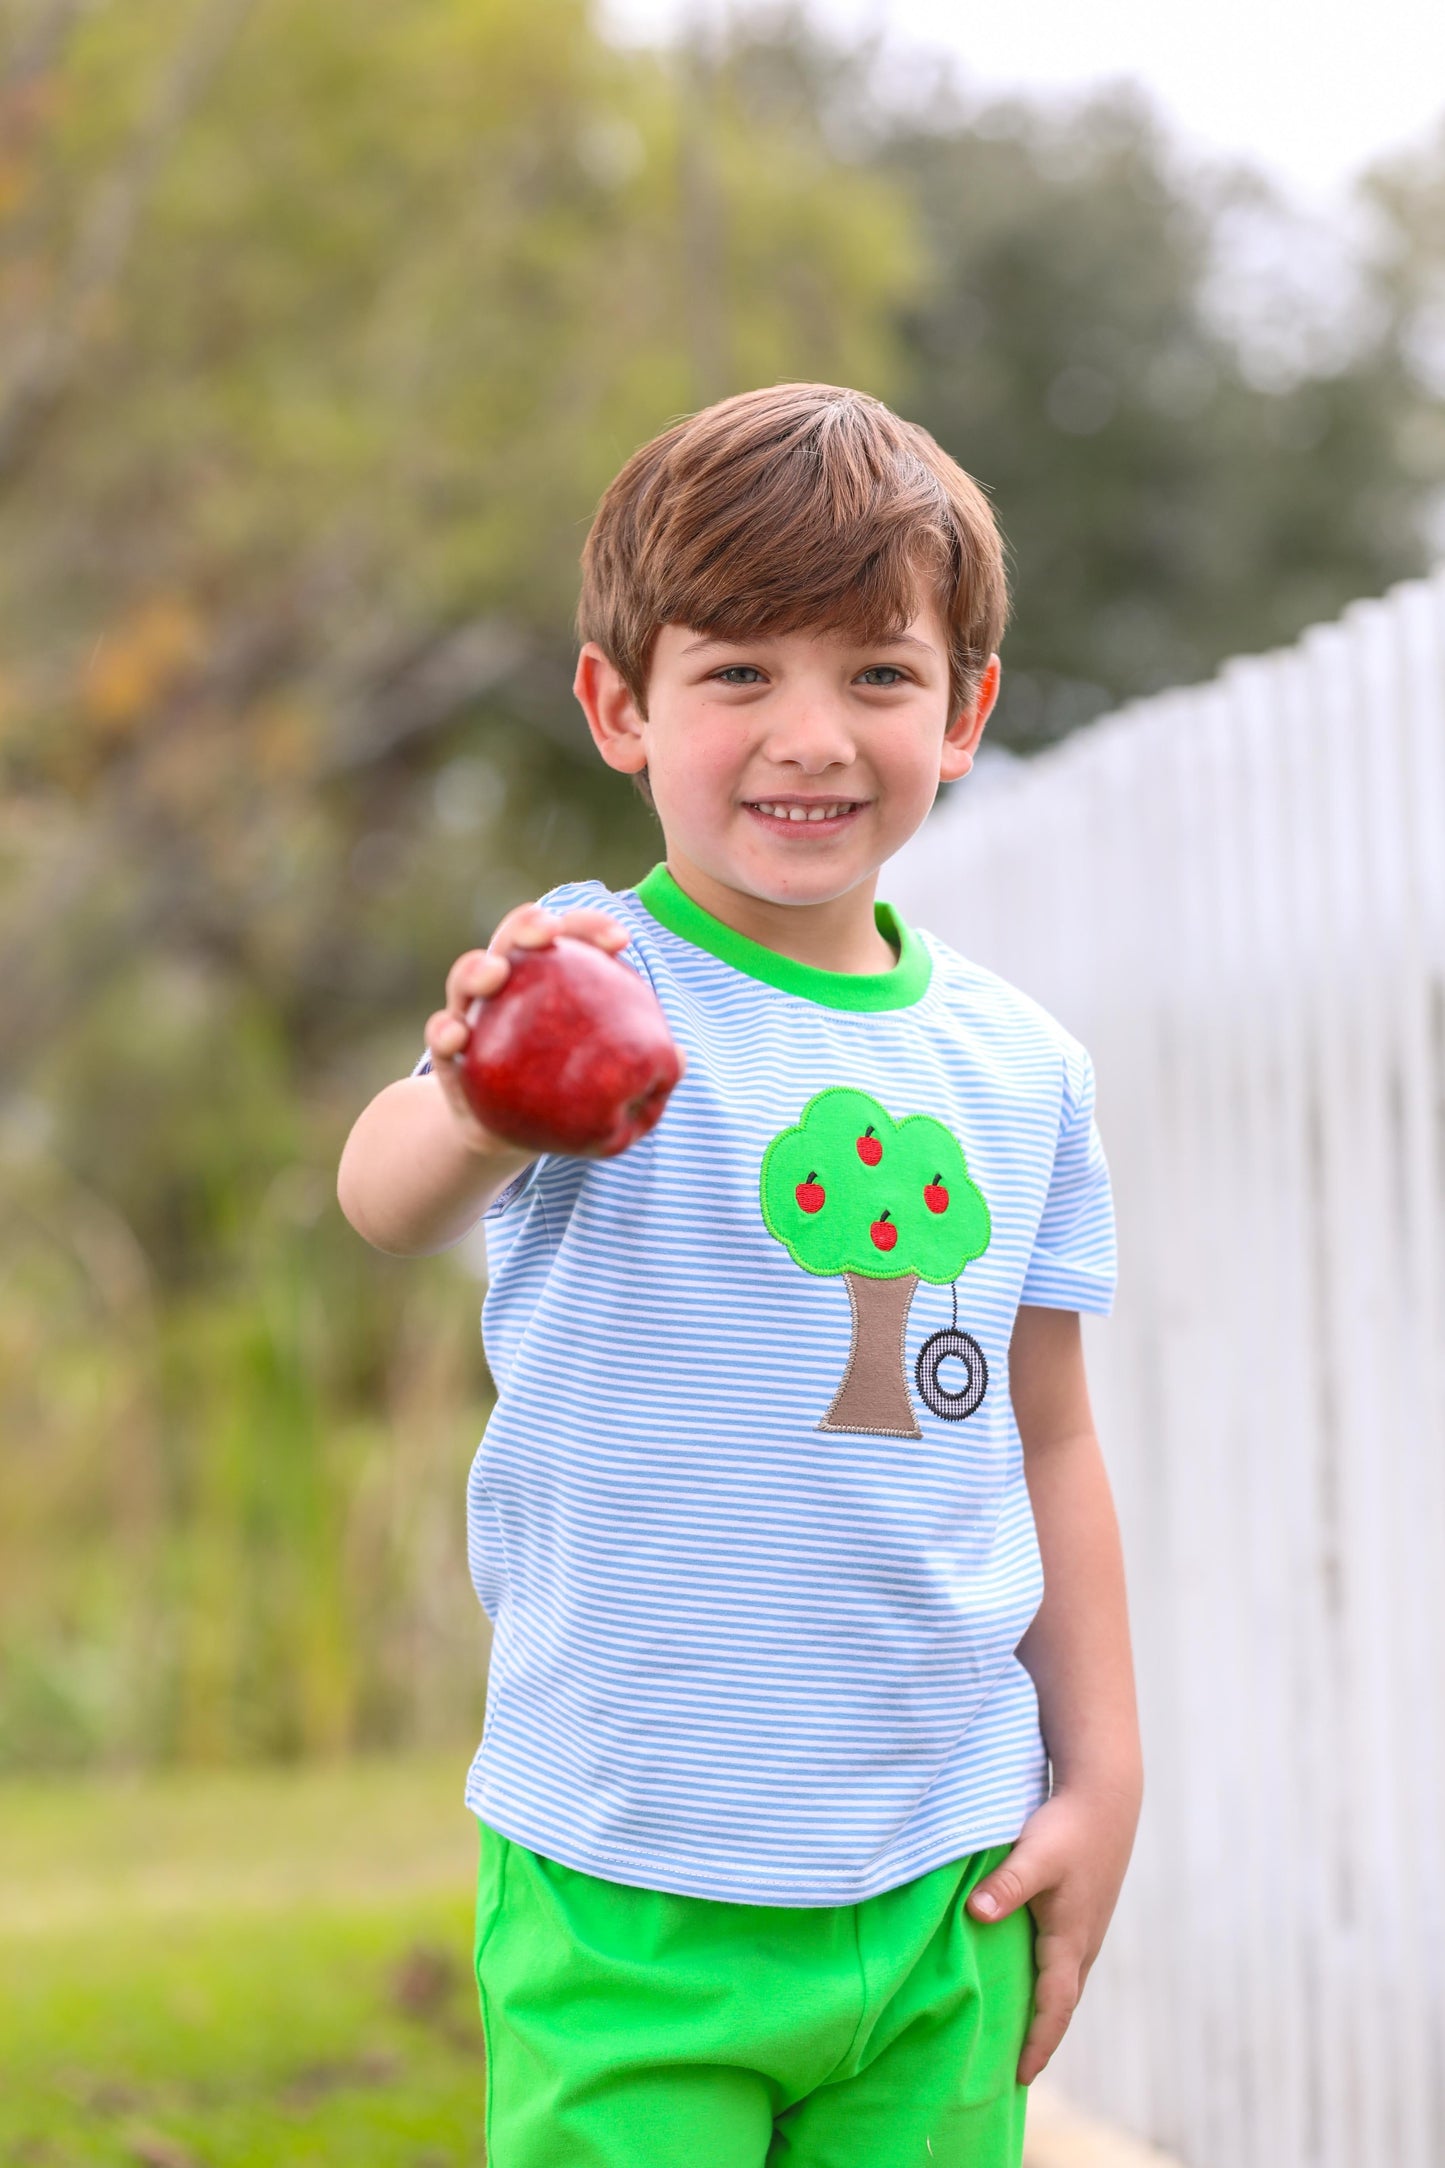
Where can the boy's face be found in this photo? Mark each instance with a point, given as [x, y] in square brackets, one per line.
[789, 768]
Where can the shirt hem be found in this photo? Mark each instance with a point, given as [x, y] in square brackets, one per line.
[1059, 1291]
[744, 1888]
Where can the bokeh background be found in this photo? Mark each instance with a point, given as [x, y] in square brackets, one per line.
[321, 330]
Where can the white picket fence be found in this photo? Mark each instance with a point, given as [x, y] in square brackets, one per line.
[1235, 896]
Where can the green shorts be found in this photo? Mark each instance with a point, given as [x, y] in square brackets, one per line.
[631, 2028]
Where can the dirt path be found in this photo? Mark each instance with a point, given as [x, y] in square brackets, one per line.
[1060, 2136]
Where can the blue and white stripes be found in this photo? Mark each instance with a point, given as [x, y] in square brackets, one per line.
[735, 1655]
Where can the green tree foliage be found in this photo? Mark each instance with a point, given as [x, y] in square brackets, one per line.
[848, 1189]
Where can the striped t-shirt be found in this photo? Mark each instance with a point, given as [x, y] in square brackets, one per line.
[750, 1516]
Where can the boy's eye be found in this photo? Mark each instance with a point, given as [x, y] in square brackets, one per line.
[882, 673]
[739, 673]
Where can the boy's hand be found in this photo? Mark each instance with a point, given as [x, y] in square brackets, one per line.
[1067, 1867]
[479, 973]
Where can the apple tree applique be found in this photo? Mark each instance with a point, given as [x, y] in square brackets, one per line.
[883, 1205]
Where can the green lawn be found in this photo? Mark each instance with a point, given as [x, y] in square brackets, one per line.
[243, 1969]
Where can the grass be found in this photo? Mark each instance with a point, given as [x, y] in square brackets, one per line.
[260, 1969]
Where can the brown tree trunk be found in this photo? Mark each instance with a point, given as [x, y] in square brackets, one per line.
[874, 1393]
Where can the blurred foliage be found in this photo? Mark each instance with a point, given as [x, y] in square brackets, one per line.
[319, 337]
[1164, 507]
[1169, 512]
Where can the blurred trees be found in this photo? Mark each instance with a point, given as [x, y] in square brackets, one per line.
[1164, 506]
[287, 562]
[1164, 510]
[1404, 199]
[319, 336]
[315, 491]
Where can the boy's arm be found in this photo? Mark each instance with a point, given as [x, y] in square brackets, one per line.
[1070, 1857]
[410, 1179]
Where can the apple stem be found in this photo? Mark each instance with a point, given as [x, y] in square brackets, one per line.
[813, 1176]
[883, 1215]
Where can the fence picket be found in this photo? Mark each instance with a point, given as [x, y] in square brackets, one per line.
[1235, 895]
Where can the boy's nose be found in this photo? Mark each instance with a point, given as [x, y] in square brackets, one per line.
[812, 737]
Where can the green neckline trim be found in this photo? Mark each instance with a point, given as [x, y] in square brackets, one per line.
[899, 988]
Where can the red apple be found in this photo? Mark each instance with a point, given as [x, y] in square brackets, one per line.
[810, 1195]
[571, 1054]
[870, 1151]
[884, 1233]
[935, 1196]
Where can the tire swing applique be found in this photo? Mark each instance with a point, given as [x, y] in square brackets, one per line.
[850, 1193]
[951, 1345]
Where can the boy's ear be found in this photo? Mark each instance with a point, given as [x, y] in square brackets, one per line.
[960, 740]
[611, 711]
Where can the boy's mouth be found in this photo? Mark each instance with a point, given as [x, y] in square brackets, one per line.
[814, 814]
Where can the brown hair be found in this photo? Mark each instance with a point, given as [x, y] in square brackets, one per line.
[802, 507]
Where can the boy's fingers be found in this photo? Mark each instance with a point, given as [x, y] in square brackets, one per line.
[532, 927]
[1044, 2038]
[445, 1035]
[594, 926]
[479, 973]
[529, 926]
[1022, 1875]
[1056, 1997]
[526, 925]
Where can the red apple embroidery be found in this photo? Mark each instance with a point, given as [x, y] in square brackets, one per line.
[935, 1196]
[883, 1232]
[870, 1149]
[810, 1194]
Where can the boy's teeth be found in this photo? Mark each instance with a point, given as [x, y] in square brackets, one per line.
[804, 813]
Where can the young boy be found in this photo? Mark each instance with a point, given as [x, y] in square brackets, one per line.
[810, 1768]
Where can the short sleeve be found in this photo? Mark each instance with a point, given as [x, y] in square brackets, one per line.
[1074, 1264]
